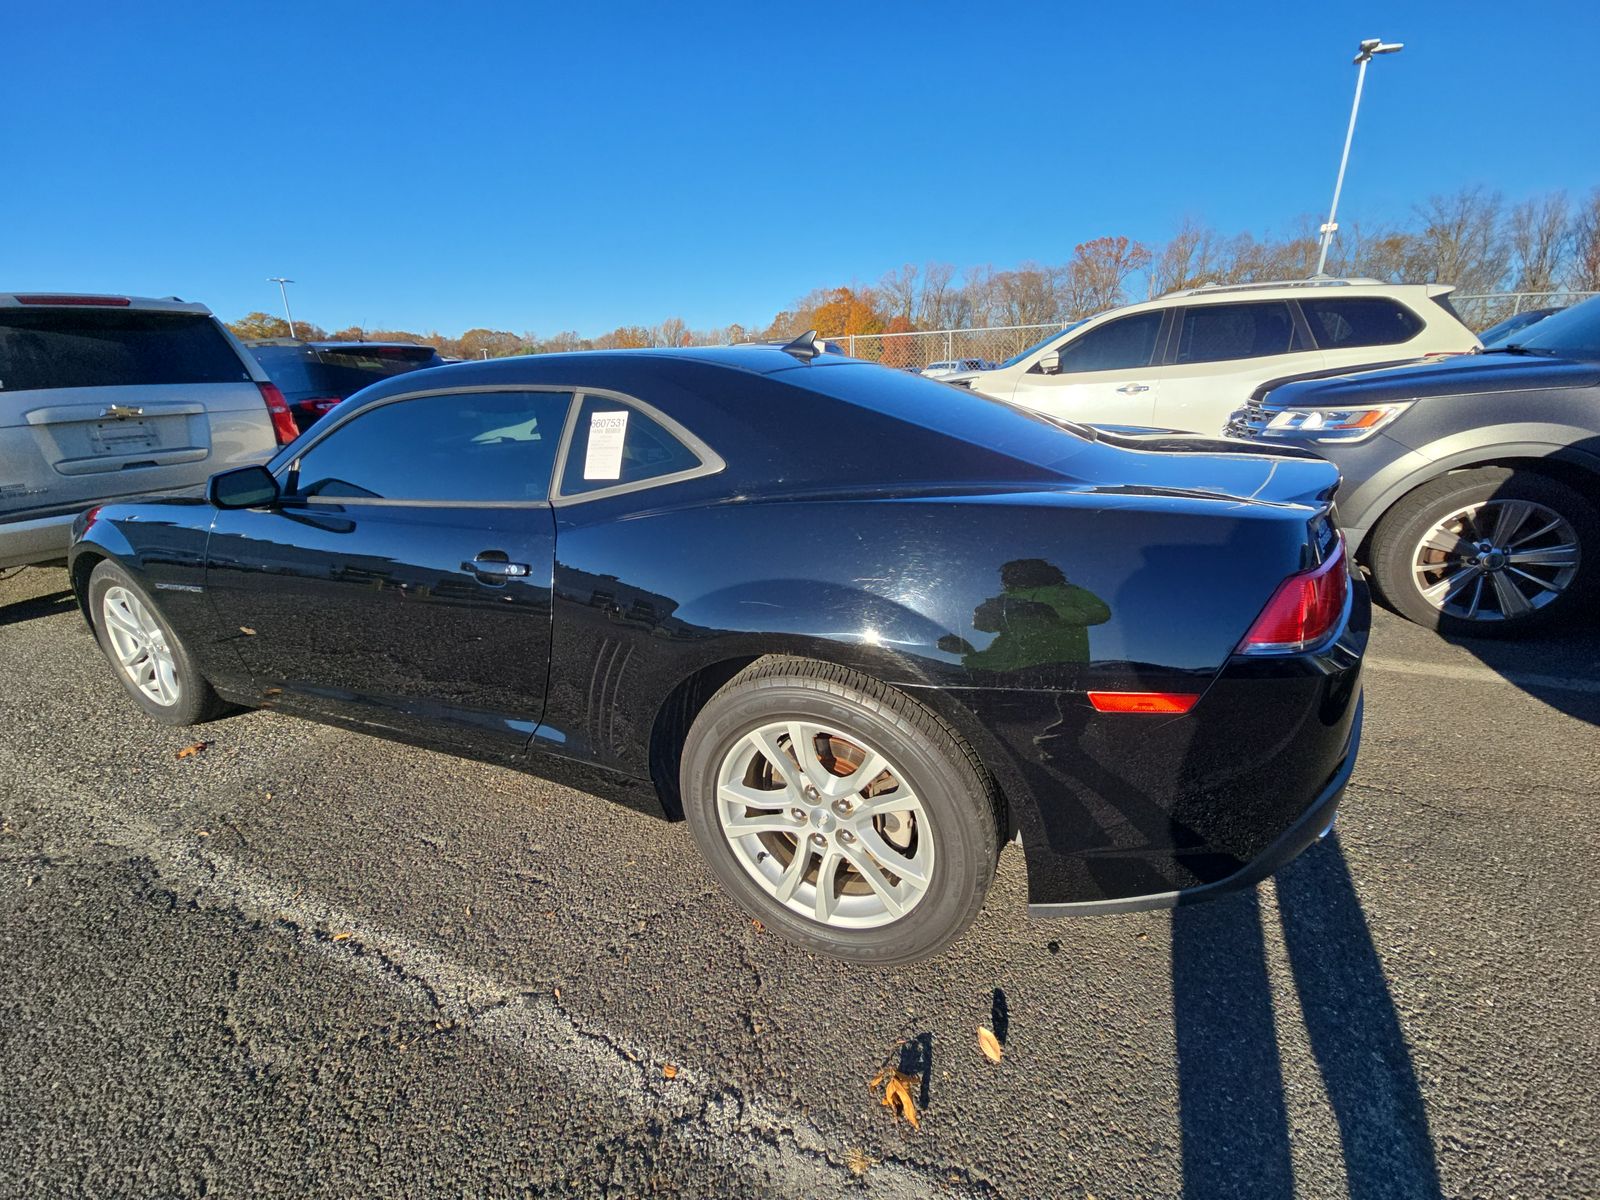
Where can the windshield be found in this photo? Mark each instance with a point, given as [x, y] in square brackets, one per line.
[1573, 333]
[1037, 346]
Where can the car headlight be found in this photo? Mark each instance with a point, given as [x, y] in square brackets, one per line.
[1334, 424]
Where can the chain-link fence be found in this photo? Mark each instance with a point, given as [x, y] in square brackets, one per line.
[967, 348]
[1480, 312]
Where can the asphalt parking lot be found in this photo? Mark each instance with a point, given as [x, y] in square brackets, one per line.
[305, 962]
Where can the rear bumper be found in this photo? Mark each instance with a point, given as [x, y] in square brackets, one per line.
[41, 540]
[1311, 827]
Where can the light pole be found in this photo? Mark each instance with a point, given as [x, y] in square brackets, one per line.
[1363, 56]
[283, 291]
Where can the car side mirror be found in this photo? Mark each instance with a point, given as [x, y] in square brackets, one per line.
[1049, 362]
[243, 487]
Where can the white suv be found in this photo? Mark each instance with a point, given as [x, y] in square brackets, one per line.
[1189, 359]
[110, 397]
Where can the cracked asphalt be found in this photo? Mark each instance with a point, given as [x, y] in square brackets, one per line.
[305, 962]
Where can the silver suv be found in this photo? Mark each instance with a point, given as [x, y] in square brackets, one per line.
[106, 397]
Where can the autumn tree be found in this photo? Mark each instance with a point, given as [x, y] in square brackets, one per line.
[256, 325]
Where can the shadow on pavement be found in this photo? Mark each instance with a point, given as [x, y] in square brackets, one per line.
[1232, 1109]
[1569, 657]
[36, 606]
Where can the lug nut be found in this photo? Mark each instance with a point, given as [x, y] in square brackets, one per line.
[844, 806]
[798, 813]
[818, 840]
[846, 836]
[811, 792]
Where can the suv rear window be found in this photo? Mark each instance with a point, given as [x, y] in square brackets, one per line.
[1343, 324]
[295, 369]
[72, 348]
[380, 360]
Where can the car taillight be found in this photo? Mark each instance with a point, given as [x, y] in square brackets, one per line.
[321, 405]
[1143, 702]
[283, 426]
[1305, 609]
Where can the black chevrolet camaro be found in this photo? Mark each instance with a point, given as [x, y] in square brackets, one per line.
[858, 627]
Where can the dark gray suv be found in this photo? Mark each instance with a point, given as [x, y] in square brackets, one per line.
[1470, 484]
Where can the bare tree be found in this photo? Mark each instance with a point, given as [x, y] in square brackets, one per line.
[934, 307]
[1094, 280]
[897, 292]
[1189, 259]
[1583, 275]
[1539, 232]
[1460, 242]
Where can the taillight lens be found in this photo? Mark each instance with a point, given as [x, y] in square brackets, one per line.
[1304, 610]
[1143, 702]
[283, 426]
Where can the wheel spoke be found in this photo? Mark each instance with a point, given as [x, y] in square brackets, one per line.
[1565, 555]
[1512, 515]
[826, 902]
[803, 741]
[1442, 592]
[1450, 543]
[1511, 600]
[795, 871]
[766, 743]
[1544, 585]
[749, 797]
[874, 877]
[774, 823]
[1550, 525]
[909, 869]
[902, 799]
[119, 616]
[1477, 599]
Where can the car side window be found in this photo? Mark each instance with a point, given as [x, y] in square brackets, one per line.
[462, 447]
[614, 444]
[1342, 324]
[1123, 344]
[1219, 332]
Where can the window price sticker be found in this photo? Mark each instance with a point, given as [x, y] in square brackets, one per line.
[603, 458]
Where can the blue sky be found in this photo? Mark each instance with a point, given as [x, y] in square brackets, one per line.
[533, 167]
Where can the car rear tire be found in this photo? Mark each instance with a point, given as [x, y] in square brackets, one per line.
[1490, 552]
[146, 655]
[883, 862]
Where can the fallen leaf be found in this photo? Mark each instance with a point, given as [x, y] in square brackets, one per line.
[191, 751]
[558, 993]
[343, 937]
[760, 928]
[896, 1098]
[670, 1071]
[858, 1162]
[989, 1044]
[202, 833]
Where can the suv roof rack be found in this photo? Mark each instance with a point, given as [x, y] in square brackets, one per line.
[1211, 289]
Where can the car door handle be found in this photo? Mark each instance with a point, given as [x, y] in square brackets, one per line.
[1133, 389]
[492, 564]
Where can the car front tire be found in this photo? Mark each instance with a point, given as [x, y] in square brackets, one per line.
[840, 812]
[1490, 552]
[146, 654]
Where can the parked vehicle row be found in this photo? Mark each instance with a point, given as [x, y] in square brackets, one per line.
[103, 397]
[1185, 360]
[1470, 484]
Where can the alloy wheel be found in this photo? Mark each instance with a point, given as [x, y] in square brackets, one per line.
[825, 824]
[1496, 560]
[141, 647]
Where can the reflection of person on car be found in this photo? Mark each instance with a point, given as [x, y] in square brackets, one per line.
[1038, 618]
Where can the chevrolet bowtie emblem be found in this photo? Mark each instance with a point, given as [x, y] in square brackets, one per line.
[121, 411]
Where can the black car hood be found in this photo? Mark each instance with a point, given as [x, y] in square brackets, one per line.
[1447, 377]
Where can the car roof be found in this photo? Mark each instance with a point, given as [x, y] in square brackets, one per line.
[1284, 288]
[100, 300]
[373, 346]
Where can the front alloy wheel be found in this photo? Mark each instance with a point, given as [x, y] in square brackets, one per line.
[1490, 552]
[140, 646]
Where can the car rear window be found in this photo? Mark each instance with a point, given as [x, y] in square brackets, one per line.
[380, 360]
[295, 369]
[1343, 324]
[74, 348]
